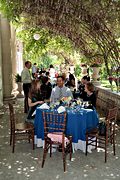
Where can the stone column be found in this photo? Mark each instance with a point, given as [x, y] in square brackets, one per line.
[1, 86]
[13, 57]
[6, 59]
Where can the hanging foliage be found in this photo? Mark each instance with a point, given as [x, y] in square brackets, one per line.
[91, 25]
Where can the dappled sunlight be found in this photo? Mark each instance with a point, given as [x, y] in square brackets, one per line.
[1, 127]
[19, 167]
[25, 163]
[73, 159]
[58, 176]
[100, 150]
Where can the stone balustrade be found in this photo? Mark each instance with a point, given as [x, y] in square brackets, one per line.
[104, 94]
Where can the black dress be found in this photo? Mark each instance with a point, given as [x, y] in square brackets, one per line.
[83, 94]
[91, 99]
[46, 90]
[36, 97]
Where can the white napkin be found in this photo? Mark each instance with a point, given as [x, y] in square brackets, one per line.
[44, 106]
[34, 113]
[89, 110]
[61, 109]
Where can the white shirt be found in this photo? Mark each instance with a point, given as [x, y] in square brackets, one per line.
[34, 69]
[25, 75]
[58, 93]
[52, 72]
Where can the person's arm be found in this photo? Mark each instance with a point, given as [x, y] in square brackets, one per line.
[52, 96]
[69, 93]
[31, 104]
[93, 99]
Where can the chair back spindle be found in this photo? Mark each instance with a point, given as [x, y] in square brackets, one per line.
[54, 134]
[102, 141]
[54, 122]
[12, 116]
[19, 130]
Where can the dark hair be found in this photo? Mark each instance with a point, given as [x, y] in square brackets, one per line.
[47, 73]
[71, 76]
[35, 63]
[44, 79]
[61, 77]
[33, 88]
[51, 66]
[86, 78]
[90, 87]
[27, 62]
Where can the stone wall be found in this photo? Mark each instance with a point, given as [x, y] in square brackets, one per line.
[103, 95]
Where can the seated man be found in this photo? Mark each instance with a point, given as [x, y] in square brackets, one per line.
[60, 90]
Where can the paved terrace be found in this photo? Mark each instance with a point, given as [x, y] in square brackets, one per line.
[25, 163]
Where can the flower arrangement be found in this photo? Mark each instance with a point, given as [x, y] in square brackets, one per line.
[66, 99]
[110, 78]
[116, 80]
[95, 65]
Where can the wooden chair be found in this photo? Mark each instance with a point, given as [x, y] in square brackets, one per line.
[19, 131]
[96, 92]
[93, 138]
[109, 104]
[54, 134]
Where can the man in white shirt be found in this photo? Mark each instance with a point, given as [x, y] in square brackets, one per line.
[26, 79]
[60, 90]
[34, 70]
[52, 71]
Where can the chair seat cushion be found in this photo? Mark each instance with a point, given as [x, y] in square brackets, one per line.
[23, 126]
[30, 121]
[57, 137]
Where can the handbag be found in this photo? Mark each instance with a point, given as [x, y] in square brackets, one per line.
[102, 128]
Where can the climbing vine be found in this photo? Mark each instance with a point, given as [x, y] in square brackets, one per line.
[92, 25]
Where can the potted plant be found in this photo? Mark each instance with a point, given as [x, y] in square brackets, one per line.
[84, 69]
[18, 80]
[96, 68]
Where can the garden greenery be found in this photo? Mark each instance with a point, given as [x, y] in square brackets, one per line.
[92, 26]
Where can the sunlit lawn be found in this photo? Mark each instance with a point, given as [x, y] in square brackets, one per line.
[106, 84]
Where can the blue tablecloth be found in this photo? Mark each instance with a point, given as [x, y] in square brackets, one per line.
[78, 121]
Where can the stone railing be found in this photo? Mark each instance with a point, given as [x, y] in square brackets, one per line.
[104, 94]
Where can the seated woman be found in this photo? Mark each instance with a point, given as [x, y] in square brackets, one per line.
[34, 99]
[71, 82]
[46, 88]
[84, 80]
[91, 95]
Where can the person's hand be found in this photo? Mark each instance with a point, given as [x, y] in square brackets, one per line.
[40, 102]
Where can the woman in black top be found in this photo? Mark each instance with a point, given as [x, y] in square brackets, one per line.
[46, 88]
[91, 95]
[84, 80]
[34, 99]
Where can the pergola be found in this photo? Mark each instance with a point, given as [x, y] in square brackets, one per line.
[83, 22]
